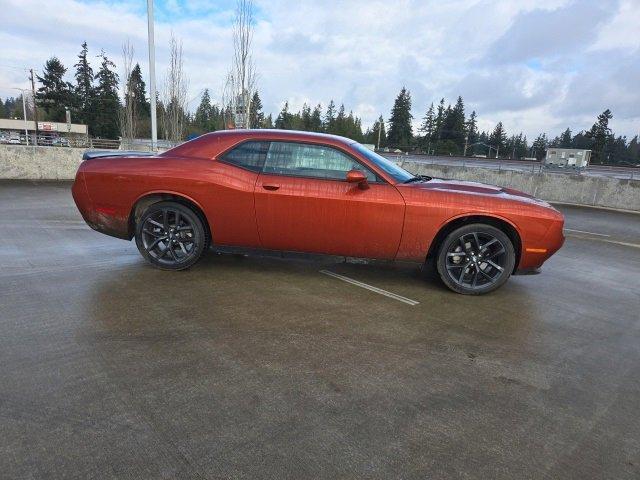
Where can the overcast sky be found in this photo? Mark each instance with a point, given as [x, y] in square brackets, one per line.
[536, 65]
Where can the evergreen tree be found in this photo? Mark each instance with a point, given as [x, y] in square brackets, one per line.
[439, 120]
[400, 130]
[84, 91]
[316, 119]
[539, 146]
[141, 105]
[268, 121]
[516, 146]
[457, 124]
[256, 115]
[633, 151]
[284, 119]
[306, 118]
[427, 128]
[138, 89]
[566, 139]
[203, 117]
[471, 131]
[55, 93]
[329, 124]
[599, 135]
[341, 127]
[106, 123]
[498, 138]
[3, 111]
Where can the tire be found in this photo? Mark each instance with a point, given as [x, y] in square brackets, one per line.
[171, 236]
[475, 259]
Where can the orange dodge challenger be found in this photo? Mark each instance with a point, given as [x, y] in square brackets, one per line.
[309, 192]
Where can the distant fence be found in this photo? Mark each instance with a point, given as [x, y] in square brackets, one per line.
[88, 143]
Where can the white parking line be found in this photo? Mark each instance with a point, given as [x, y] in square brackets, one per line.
[588, 233]
[395, 296]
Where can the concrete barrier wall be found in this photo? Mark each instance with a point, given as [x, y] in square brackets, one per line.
[552, 187]
[61, 163]
[39, 163]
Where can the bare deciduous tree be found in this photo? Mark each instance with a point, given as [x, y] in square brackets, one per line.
[175, 94]
[241, 80]
[128, 115]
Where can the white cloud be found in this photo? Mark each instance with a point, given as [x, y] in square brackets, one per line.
[499, 55]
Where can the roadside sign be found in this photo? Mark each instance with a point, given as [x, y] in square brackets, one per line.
[47, 126]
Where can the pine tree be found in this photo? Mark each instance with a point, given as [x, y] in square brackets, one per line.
[106, 124]
[141, 105]
[427, 128]
[471, 132]
[457, 123]
[341, 127]
[203, 117]
[256, 115]
[3, 111]
[498, 138]
[565, 139]
[84, 92]
[316, 119]
[400, 129]
[55, 93]
[439, 122]
[284, 119]
[599, 135]
[306, 118]
[329, 124]
[539, 146]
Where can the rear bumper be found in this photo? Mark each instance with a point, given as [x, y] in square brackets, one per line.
[99, 218]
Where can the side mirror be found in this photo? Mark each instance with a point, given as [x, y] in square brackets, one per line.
[358, 176]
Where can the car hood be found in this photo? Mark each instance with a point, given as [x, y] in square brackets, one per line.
[477, 188]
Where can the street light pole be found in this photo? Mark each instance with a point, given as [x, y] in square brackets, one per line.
[152, 75]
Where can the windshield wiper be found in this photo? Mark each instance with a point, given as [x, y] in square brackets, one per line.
[419, 178]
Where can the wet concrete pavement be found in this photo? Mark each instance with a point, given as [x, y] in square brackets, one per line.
[264, 368]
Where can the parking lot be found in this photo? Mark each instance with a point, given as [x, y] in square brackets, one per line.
[264, 367]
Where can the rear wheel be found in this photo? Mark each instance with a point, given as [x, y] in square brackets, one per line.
[475, 259]
[171, 236]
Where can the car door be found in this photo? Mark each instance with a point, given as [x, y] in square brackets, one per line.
[304, 203]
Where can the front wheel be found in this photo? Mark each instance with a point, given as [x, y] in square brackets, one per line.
[171, 236]
[475, 259]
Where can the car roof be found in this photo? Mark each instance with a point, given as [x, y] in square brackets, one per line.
[278, 134]
[210, 144]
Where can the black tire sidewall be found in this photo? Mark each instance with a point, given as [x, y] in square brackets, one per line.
[454, 236]
[199, 234]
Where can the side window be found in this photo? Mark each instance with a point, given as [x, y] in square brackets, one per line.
[249, 155]
[305, 160]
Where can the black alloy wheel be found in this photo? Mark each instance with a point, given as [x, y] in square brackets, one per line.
[476, 259]
[171, 236]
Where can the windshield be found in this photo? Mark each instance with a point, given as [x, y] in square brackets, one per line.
[399, 174]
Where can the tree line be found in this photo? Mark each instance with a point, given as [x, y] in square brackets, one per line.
[94, 99]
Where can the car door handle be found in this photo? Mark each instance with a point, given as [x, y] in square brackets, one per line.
[270, 187]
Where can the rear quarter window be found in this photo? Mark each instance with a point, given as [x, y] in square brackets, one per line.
[248, 155]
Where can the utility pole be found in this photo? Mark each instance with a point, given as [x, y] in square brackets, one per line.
[35, 107]
[152, 75]
[466, 144]
[379, 131]
[24, 113]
